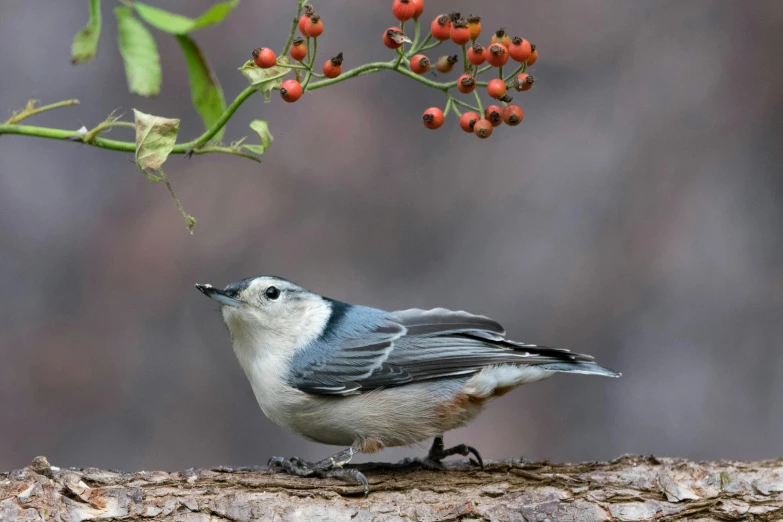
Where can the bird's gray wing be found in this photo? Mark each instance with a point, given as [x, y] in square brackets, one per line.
[354, 348]
[412, 346]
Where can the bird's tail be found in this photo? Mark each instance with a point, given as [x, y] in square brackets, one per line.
[588, 368]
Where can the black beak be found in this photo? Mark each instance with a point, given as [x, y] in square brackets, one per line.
[221, 296]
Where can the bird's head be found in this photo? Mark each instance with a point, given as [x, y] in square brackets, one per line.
[270, 308]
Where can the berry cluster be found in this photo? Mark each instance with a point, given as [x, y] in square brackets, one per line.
[310, 26]
[464, 32]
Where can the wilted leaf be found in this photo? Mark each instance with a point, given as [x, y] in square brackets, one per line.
[205, 91]
[177, 24]
[262, 129]
[155, 137]
[266, 79]
[85, 43]
[138, 50]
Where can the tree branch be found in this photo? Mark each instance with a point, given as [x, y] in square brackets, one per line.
[629, 488]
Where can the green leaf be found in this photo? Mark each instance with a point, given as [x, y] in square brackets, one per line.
[155, 137]
[262, 128]
[205, 91]
[85, 43]
[177, 24]
[138, 50]
[266, 79]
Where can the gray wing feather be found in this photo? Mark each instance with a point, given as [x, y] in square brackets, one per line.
[439, 321]
[419, 345]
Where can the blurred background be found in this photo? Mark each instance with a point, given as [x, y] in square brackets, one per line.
[635, 215]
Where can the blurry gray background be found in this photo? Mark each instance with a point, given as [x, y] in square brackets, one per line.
[635, 215]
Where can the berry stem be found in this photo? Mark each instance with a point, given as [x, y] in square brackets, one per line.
[416, 35]
[465, 63]
[310, 65]
[448, 106]
[516, 71]
[417, 48]
[430, 46]
[401, 48]
[500, 72]
[291, 34]
[466, 105]
[294, 66]
[478, 100]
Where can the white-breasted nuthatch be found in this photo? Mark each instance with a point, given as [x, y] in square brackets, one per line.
[356, 376]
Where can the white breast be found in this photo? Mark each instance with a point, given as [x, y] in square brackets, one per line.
[264, 354]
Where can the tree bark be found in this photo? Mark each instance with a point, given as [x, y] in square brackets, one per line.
[628, 488]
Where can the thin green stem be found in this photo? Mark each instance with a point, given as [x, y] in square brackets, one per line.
[416, 48]
[482, 71]
[401, 48]
[448, 107]
[500, 72]
[417, 34]
[516, 71]
[466, 105]
[480, 106]
[310, 64]
[465, 63]
[293, 28]
[294, 66]
[430, 46]
[32, 110]
[219, 124]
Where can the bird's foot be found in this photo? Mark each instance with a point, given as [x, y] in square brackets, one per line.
[433, 460]
[331, 467]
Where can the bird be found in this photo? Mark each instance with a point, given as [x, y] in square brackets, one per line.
[366, 379]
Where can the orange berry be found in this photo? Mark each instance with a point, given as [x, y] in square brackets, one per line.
[314, 26]
[523, 82]
[482, 129]
[494, 113]
[298, 49]
[393, 37]
[403, 9]
[308, 12]
[477, 54]
[264, 57]
[468, 120]
[446, 63]
[466, 83]
[501, 37]
[497, 55]
[419, 8]
[432, 118]
[474, 25]
[420, 64]
[460, 34]
[333, 67]
[512, 115]
[496, 88]
[533, 55]
[441, 27]
[291, 90]
[519, 50]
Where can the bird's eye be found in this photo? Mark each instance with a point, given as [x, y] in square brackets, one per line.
[272, 293]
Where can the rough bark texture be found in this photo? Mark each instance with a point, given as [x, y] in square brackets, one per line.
[629, 488]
